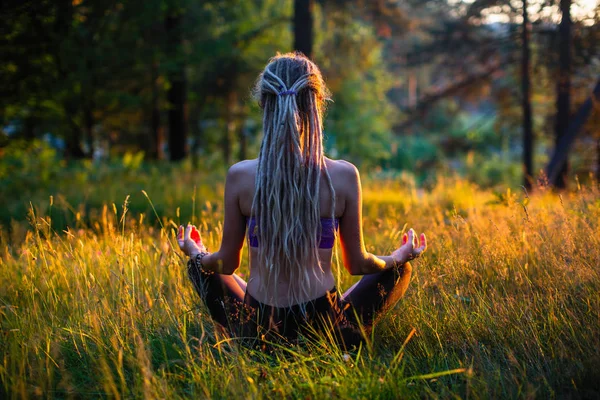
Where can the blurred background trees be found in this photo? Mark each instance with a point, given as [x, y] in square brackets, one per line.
[430, 86]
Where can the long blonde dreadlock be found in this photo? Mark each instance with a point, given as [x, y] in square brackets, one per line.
[286, 205]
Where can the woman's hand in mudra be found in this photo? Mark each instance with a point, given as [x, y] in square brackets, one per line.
[410, 249]
[189, 240]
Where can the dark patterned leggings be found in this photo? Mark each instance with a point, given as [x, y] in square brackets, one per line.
[349, 316]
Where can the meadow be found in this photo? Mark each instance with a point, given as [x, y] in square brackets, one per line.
[94, 300]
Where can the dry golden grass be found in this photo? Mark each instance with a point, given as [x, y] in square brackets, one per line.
[506, 303]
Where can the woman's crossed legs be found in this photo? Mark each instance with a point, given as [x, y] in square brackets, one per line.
[363, 304]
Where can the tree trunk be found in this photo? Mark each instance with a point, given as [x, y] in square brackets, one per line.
[563, 88]
[177, 93]
[243, 133]
[197, 143]
[177, 118]
[155, 127]
[229, 133]
[62, 25]
[29, 126]
[598, 160]
[73, 148]
[526, 89]
[576, 124]
[303, 26]
[412, 89]
[226, 142]
[88, 121]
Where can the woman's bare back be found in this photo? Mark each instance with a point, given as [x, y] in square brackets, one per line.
[336, 170]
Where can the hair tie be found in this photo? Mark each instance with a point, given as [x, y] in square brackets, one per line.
[288, 92]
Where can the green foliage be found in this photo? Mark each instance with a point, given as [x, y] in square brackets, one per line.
[32, 177]
[26, 166]
[103, 68]
[359, 122]
[416, 153]
[493, 169]
[358, 126]
[92, 71]
[132, 161]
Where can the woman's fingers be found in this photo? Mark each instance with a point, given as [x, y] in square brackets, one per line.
[423, 246]
[180, 240]
[196, 235]
[423, 242]
[412, 238]
[417, 246]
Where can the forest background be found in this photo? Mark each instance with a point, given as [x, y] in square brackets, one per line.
[423, 88]
[119, 119]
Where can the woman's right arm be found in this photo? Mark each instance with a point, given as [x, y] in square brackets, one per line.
[355, 257]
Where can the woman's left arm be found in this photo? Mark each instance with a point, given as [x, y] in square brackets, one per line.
[227, 259]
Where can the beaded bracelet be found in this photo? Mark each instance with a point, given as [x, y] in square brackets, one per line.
[199, 258]
[197, 262]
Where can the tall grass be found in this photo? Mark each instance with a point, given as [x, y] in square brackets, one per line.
[505, 303]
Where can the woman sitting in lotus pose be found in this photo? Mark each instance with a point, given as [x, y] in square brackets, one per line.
[291, 203]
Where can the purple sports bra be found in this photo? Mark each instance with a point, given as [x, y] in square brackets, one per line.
[329, 228]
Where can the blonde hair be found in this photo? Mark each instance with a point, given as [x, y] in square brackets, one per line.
[286, 204]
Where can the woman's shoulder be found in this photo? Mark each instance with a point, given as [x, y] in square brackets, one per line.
[243, 169]
[341, 169]
[241, 176]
